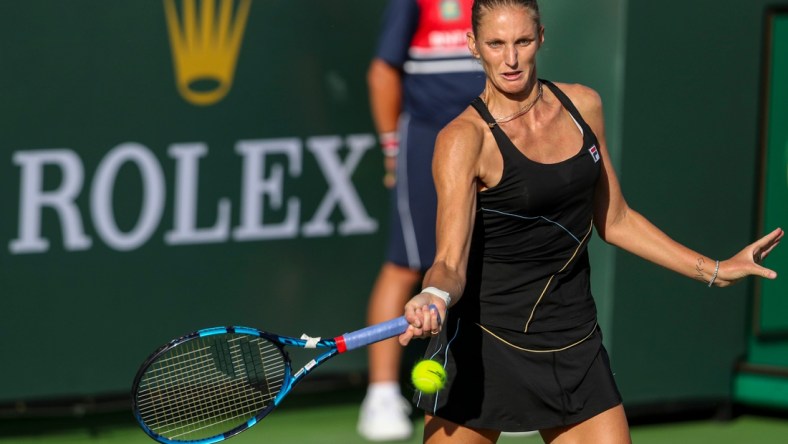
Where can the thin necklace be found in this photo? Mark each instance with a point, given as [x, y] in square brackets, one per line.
[527, 107]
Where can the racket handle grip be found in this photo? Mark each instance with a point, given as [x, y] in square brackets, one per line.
[377, 332]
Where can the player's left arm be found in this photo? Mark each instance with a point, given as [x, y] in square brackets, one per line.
[620, 225]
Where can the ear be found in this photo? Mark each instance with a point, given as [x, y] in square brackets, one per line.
[472, 44]
[541, 35]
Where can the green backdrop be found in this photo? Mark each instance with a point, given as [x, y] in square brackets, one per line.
[159, 216]
[131, 214]
[681, 84]
[763, 374]
[772, 303]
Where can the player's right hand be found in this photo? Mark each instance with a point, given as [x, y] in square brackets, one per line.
[423, 321]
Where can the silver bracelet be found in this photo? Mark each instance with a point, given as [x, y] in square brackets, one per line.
[714, 276]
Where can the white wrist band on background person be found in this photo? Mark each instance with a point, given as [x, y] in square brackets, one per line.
[444, 295]
[714, 276]
[389, 143]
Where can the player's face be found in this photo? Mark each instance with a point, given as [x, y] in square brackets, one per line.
[506, 42]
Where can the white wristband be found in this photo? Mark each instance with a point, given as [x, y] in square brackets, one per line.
[444, 295]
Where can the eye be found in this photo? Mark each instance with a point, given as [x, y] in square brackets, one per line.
[524, 42]
[495, 44]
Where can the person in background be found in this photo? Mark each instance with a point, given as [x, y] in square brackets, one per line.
[421, 77]
[523, 177]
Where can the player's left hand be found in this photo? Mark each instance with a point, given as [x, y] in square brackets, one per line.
[748, 261]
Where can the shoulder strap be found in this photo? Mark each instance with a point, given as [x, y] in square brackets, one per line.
[505, 144]
[566, 102]
[481, 108]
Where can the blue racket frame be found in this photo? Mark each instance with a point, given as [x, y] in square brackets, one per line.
[340, 344]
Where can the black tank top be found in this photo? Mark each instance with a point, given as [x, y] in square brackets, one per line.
[528, 269]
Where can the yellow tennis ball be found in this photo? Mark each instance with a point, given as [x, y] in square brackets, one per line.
[428, 376]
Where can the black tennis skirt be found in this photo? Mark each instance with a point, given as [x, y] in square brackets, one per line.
[510, 381]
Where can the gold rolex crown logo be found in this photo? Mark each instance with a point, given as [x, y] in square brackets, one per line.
[205, 45]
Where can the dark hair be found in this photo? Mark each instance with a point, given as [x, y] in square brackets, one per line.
[481, 6]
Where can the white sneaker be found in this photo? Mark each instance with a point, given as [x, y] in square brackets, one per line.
[518, 434]
[385, 418]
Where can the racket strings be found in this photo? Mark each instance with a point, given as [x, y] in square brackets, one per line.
[220, 409]
[209, 385]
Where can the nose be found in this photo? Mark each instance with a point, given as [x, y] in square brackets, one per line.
[511, 56]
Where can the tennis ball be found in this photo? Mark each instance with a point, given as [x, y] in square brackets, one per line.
[428, 376]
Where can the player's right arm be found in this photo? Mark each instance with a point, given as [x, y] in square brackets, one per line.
[455, 169]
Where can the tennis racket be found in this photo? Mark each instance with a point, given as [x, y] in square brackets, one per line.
[214, 383]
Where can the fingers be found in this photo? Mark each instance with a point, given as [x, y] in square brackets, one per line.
[758, 270]
[436, 321]
[749, 261]
[424, 321]
[763, 247]
[777, 234]
[404, 339]
[767, 273]
[389, 179]
[767, 243]
[771, 240]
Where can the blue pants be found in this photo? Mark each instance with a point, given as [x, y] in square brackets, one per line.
[413, 202]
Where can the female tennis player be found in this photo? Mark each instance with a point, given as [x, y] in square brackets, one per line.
[523, 176]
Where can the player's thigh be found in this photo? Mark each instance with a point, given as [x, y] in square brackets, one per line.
[608, 427]
[439, 430]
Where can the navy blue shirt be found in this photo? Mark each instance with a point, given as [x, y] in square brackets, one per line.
[426, 39]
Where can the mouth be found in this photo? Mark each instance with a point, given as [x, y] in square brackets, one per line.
[511, 75]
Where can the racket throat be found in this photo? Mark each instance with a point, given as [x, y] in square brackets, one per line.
[340, 344]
